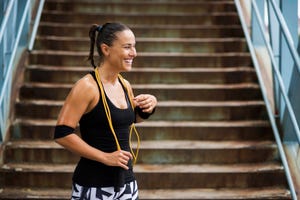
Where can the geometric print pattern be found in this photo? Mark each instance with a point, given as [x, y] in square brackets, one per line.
[128, 192]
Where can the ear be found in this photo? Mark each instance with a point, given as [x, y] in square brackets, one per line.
[105, 49]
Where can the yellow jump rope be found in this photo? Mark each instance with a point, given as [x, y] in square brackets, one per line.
[108, 115]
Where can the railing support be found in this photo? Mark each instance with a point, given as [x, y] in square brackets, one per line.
[287, 60]
[277, 75]
[15, 16]
[14, 27]
[257, 39]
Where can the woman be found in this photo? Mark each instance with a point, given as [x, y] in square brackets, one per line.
[105, 168]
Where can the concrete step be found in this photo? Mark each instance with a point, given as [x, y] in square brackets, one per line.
[153, 152]
[163, 92]
[36, 129]
[218, 194]
[193, 45]
[171, 110]
[153, 177]
[138, 6]
[218, 18]
[148, 60]
[144, 30]
[193, 75]
[263, 193]
[205, 130]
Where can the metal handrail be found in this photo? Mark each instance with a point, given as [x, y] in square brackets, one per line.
[5, 87]
[36, 24]
[296, 59]
[264, 91]
[5, 19]
[275, 65]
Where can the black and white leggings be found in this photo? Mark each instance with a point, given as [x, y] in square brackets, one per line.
[128, 192]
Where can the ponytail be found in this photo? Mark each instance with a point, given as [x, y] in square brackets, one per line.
[92, 35]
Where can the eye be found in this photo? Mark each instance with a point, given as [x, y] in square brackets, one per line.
[128, 46]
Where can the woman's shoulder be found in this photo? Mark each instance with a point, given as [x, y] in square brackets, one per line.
[86, 82]
[85, 86]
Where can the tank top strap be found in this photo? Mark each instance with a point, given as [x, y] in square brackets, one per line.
[95, 79]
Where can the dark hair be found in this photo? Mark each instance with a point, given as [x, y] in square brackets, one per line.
[106, 34]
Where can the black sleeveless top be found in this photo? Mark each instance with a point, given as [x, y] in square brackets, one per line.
[95, 131]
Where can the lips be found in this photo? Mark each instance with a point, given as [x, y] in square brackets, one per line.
[129, 61]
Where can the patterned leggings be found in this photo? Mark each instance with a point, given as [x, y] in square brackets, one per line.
[128, 192]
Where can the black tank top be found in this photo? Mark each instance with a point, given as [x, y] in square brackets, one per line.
[95, 131]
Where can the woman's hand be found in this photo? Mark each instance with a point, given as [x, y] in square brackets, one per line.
[118, 158]
[146, 102]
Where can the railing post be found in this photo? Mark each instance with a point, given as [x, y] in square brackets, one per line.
[2, 9]
[257, 38]
[274, 33]
[287, 66]
[25, 32]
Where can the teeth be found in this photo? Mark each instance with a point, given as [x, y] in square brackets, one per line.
[128, 61]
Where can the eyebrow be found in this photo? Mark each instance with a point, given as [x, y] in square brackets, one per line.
[130, 44]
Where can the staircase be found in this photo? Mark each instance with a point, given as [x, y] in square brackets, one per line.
[209, 138]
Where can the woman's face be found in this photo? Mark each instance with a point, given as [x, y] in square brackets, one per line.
[122, 52]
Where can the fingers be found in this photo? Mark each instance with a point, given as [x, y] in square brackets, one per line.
[123, 158]
[118, 159]
[146, 102]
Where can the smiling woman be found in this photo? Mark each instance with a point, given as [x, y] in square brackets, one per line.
[104, 105]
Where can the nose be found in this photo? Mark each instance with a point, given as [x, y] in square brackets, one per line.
[133, 52]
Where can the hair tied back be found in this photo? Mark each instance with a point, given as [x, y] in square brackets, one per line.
[99, 28]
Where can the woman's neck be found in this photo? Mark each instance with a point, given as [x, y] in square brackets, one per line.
[107, 75]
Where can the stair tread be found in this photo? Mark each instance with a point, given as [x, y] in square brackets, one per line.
[161, 144]
[146, 26]
[157, 85]
[233, 30]
[156, 54]
[147, 69]
[36, 122]
[147, 39]
[195, 193]
[255, 123]
[220, 193]
[211, 103]
[163, 103]
[155, 168]
[175, 144]
[172, 14]
[205, 123]
[152, 2]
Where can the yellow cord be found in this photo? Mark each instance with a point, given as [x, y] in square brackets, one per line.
[136, 154]
[108, 115]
